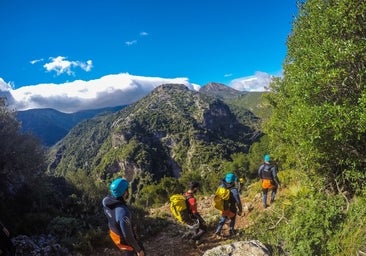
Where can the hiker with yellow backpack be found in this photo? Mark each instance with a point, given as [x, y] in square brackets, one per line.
[227, 199]
[267, 172]
[184, 209]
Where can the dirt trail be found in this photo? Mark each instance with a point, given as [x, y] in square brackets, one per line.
[169, 242]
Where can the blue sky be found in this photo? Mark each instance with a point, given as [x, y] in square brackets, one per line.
[56, 43]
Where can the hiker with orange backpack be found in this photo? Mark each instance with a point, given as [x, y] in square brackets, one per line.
[193, 214]
[267, 172]
[232, 206]
[119, 219]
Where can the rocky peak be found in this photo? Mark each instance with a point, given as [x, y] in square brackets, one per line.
[219, 90]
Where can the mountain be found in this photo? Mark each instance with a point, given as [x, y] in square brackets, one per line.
[221, 91]
[49, 125]
[171, 130]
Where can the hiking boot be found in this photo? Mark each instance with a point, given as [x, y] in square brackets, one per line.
[218, 234]
[265, 206]
[198, 234]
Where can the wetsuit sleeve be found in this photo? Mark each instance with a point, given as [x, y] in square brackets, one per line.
[236, 196]
[260, 172]
[275, 177]
[123, 217]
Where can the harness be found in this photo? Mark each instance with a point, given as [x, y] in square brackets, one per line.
[266, 176]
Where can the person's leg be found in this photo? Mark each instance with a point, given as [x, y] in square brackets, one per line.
[273, 196]
[221, 224]
[264, 197]
[232, 225]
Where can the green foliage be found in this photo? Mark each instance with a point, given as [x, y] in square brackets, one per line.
[64, 227]
[251, 101]
[303, 220]
[351, 238]
[318, 106]
[158, 193]
[88, 192]
[314, 220]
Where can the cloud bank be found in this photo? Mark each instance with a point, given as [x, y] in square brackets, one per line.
[107, 91]
[259, 82]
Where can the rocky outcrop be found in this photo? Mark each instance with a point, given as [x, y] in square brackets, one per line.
[241, 248]
[45, 245]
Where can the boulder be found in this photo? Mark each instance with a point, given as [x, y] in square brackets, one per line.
[45, 245]
[241, 248]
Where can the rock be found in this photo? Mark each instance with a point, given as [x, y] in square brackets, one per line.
[241, 248]
[44, 245]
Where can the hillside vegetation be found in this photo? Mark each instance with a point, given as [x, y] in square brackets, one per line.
[314, 129]
[170, 132]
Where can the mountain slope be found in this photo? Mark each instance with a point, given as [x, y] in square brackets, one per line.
[49, 125]
[173, 129]
[220, 91]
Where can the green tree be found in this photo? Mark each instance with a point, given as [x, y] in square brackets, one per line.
[21, 168]
[319, 105]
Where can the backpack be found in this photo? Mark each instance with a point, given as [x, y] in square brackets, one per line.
[178, 204]
[222, 194]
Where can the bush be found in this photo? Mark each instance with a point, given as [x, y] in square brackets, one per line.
[351, 237]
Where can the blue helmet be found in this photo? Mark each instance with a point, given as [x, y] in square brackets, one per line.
[230, 177]
[267, 158]
[118, 187]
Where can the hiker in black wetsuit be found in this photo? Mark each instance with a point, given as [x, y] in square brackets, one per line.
[267, 172]
[119, 219]
[6, 245]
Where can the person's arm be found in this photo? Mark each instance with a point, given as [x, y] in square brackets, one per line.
[260, 172]
[236, 195]
[275, 177]
[126, 227]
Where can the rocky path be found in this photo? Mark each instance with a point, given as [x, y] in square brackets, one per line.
[169, 242]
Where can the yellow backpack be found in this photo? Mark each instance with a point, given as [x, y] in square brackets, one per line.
[178, 203]
[222, 194]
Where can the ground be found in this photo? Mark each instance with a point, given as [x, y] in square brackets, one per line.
[170, 242]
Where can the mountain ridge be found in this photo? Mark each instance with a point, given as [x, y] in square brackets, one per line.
[172, 129]
[50, 125]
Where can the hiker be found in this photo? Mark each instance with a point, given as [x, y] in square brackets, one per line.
[232, 206]
[193, 214]
[119, 219]
[268, 174]
[6, 245]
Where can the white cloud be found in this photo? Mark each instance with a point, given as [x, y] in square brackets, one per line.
[61, 65]
[129, 43]
[259, 82]
[143, 33]
[107, 91]
[35, 61]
